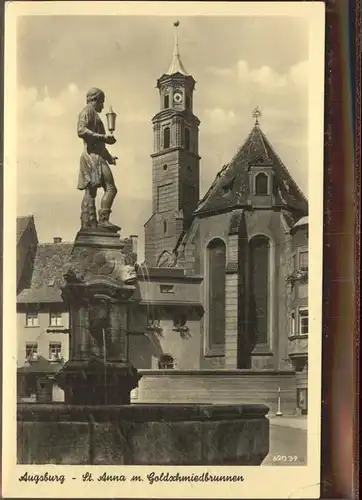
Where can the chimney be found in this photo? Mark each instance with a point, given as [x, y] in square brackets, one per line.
[57, 239]
[134, 241]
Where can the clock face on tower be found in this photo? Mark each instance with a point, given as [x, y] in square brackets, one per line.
[177, 97]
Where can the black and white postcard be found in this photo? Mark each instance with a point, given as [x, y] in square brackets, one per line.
[163, 249]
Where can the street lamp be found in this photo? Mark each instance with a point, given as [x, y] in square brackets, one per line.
[111, 120]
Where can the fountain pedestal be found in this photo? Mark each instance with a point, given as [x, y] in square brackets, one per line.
[97, 382]
[98, 285]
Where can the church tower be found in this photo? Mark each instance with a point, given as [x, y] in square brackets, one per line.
[175, 160]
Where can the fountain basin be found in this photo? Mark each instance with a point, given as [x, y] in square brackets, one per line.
[142, 434]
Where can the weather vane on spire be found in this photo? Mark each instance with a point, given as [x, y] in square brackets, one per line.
[256, 114]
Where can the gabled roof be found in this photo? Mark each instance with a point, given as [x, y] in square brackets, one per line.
[47, 274]
[231, 185]
[22, 223]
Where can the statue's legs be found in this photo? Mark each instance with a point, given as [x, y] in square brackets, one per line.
[110, 192]
[89, 214]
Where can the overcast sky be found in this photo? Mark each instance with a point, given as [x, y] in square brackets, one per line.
[237, 62]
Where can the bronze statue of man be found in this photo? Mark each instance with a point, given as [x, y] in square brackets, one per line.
[94, 163]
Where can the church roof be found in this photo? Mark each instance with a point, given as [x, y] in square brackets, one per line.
[231, 186]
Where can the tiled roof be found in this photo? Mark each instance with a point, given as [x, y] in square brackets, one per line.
[21, 224]
[231, 185]
[47, 275]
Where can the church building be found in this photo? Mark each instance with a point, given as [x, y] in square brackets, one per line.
[225, 280]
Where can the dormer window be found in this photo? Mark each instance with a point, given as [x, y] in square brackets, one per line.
[261, 184]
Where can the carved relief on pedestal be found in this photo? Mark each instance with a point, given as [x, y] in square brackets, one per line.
[89, 264]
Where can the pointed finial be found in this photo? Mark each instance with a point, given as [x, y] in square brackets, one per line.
[176, 25]
[176, 65]
[256, 114]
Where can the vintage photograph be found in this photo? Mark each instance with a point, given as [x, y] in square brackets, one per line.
[163, 184]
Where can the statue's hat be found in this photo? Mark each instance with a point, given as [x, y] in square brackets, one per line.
[93, 94]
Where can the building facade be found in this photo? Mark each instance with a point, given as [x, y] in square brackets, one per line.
[42, 319]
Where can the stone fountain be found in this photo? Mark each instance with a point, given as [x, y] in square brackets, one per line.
[97, 424]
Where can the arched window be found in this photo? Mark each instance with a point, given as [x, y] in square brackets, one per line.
[166, 137]
[259, 288]
[187, 138]
[216, 263]
[166, 102]
[261, 184]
